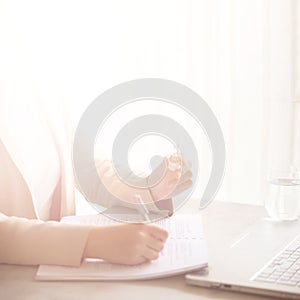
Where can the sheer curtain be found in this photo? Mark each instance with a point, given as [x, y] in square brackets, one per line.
[241, 56]
[252, 75]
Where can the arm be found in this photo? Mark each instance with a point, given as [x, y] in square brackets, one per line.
[32, 242]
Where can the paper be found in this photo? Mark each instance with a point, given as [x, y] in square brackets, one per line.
[185, 250]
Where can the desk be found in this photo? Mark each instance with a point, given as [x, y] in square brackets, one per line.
[222, 222]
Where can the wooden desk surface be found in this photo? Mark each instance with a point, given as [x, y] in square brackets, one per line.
[223, 222]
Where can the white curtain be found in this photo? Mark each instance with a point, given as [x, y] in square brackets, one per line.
[253, 84]
[241, 56]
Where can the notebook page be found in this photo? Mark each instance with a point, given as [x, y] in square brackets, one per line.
[184, 251]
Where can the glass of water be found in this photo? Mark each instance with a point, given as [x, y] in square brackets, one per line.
[283, 200]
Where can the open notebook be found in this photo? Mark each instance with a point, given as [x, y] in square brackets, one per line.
[184, 251]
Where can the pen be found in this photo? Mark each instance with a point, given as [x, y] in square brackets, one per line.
[142, 207]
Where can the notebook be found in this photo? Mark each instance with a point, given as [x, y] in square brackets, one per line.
[184, 251]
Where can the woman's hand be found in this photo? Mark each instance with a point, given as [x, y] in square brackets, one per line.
[163, 183]
[173, 182]
[128, 244]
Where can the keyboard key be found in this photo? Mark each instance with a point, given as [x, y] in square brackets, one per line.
[292, 259]
[286, 282]
[268, 271]
[286, 265]
[283, 255]
[274, 277]
[285, 277]
[289, 273]
[294, 246]
[294, 281]
[261, 279]
[263, 275]
[294, 268]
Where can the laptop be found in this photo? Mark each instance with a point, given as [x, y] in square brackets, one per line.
[264, 260]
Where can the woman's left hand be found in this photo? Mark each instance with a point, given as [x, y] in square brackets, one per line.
[173, 182]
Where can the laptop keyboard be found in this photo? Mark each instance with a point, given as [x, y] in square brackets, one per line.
[284, 269]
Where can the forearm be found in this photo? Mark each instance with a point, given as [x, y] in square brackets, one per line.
[34, 242]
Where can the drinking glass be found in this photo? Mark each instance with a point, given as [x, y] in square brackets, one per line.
[282, 203]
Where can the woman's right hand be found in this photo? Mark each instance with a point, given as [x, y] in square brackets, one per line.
[128, 244]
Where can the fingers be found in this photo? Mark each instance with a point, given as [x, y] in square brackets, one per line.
[184, 179]
[175, 180]
[182, 187]
[150, 254]
[183, 173]
[186, 176]
[158, 232]
[155, 244]
[172, 185]
[186, 165]
[173, 173]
